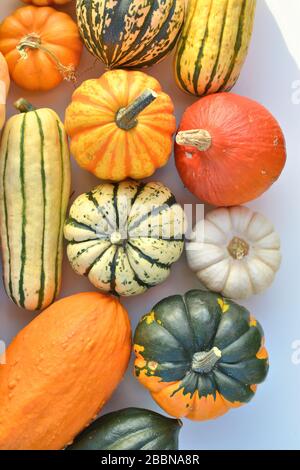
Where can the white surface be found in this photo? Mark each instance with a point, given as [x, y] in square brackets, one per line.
[271, 420]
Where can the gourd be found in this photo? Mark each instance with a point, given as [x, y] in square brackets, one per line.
[34, 194]
[229, 149]
[41, 45]
[124, 237]
[60, 370]
[130, 429]
[121, 125]
[213, 45]
[130, 33]
[4, 87]
[199, 355]
[234, 251]
[42, 3]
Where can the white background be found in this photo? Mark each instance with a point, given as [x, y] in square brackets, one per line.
[272, 419]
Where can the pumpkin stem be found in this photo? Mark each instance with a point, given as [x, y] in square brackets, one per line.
[238, 248]
[126, 118]
[23, 105]
[199, 138]
[204, 362]
[33, 41]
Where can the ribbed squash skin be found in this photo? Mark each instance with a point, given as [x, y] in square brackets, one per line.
[130, 429]
[60, 370]
[213, 45]
[34, 194]
[130, 33]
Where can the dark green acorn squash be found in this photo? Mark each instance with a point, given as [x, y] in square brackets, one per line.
[130, 429]
[200, 355]
[130, 33]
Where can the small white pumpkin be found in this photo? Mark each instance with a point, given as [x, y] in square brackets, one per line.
[234, 251]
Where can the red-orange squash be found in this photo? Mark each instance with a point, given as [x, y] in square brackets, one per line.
[42, 47]
[4, 87]
[121, 125]
[43, 3]
[60, 370]
[229, 149]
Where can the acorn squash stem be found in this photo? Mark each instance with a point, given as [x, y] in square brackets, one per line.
[33, 41]
[199, 138]
[204, 362]
[126, 118]
[23, 105]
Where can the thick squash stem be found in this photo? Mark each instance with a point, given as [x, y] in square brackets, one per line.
[126, 118]
[198, 138]
[204, 362]
[33, 41]
[23, 105]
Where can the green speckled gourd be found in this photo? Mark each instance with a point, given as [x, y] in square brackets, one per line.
[34, 194]
[125, 236]
[130, 429]
[200, 355]
[130, 33]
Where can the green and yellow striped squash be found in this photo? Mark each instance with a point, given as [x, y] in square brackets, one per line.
[130, 33]
[34, 193]
[125, 236]
[213, 45]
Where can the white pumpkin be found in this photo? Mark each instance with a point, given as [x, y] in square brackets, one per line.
[234, 251]
[125, 236]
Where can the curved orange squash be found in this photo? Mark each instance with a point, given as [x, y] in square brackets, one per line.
[4, 87]
[41, 45]
[121, 125]
[229, 150]
[61, 369]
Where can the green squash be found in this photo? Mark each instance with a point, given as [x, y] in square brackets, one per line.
[200, 355]
[130, 429]
[130, 33]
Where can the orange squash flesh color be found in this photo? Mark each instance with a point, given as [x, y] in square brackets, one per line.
[60, 370]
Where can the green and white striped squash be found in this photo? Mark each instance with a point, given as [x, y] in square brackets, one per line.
[213, 45]
[125, 236]
[34, 193]
[130, 33]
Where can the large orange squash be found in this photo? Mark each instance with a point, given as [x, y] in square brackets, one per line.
[121, 125]
[229, 150]
[60, 370]
[42, 47]
[4, 87]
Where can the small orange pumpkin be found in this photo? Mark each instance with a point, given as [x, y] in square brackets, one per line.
[121, 125]
[43, 3]
[42, 47]
[4, 87]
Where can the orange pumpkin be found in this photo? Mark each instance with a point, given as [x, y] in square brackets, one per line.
[60, 370]
[43, 3]
[229, 149]
[42, 47]
[4, 87]
[121, 125]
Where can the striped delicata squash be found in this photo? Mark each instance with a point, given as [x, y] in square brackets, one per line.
[213, 45]
[34, 193]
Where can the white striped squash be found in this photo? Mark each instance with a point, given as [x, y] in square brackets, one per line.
[125, 236]
[34, 193]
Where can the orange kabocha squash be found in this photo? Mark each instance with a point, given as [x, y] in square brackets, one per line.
[229, 150]
[121, 125]
[4, 87]
[42, 47]
[43, 3]
[60, 370]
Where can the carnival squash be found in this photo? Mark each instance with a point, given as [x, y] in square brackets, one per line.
[213, 45]
[42, 47]
[130, 429]
[34, 194]
[4, 87]
[130, 33]
[60, 370]
[229, 149]
[199, 355]
[234, 251]
[43, 3]
[121, 125]
[125, 236]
